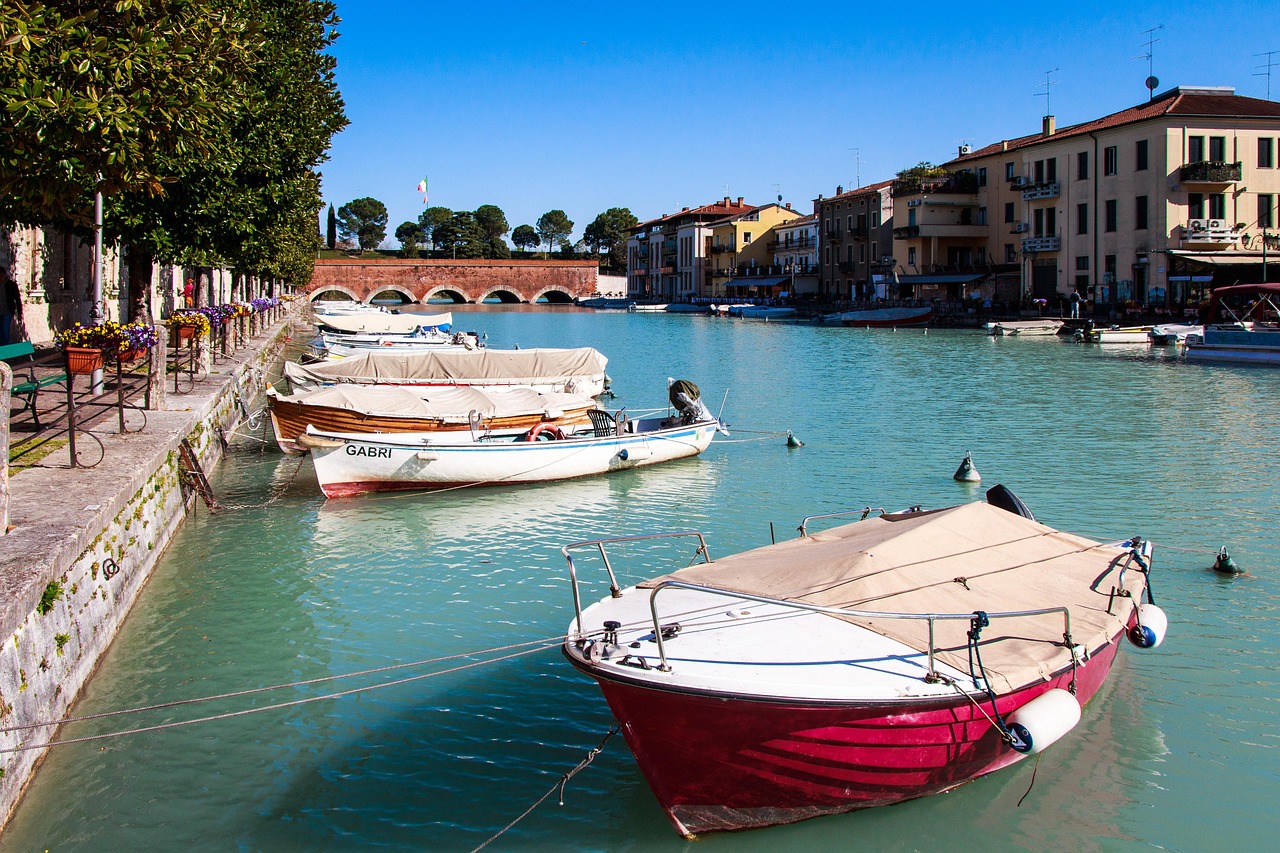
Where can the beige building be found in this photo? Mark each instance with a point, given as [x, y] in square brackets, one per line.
[794, 245]
[743, 245]
[855, 230]
[1144, 207]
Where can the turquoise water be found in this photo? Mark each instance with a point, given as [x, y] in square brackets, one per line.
[1178, 752]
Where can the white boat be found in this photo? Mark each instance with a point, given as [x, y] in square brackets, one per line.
[647, 307]
[420, 337]
[763, 312]
[687, 308]
[1119, 335]
[1023, 328]
[574, 371]
[333, 307]
[881, 318]
[382, 322]
[896, 657]
[1174, 333]
[1246, 332]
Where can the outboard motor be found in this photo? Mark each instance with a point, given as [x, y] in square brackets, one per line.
[687, 400]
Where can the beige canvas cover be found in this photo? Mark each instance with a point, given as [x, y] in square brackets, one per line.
[511, 367]
[381, 321]
[971, 557]
[451, 405]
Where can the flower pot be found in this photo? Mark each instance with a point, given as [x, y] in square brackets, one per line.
[83, 361]
[132, 354]
[186, 332]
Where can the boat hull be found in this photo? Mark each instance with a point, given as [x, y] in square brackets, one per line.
[883, 318]
[1134, 335]
[1024, 328]
[718, 762]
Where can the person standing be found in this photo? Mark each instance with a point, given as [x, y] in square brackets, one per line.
[10, 306]
[1076, 299]
[189, 294]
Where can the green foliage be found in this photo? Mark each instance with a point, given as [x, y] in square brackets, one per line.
[363, 221]
[331, 229]
[923, 169]
[51, 594]
[553, 227]
[410, 236]
[61, 640]
[525, 237]
[493, 224]
[608, 234]
[460, 237]
[430, 219]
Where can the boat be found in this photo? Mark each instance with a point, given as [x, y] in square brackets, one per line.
[863, 665]
[417, 339]
[1246, 332]
[462, 412]
[353, 465]
[687, 308]
[572, 371]
[1117, 335]
[647, 307]
[763, 312]
[382, 322]
[1174, 333]
[874, 318]
[1023, 328]
[608, 303]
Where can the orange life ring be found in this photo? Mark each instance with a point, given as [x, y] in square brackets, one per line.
[550, 429]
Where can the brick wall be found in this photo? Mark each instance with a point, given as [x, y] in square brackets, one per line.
[474, 281]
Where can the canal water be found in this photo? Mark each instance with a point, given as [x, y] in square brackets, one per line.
[1179, 751]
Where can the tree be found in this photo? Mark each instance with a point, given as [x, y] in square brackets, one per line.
[460, 237]
[553, 227]
[331, 229]
[525, 237]
[608, 234]
[410, 236]
[430, 219]
[493, 222]
[363, 220]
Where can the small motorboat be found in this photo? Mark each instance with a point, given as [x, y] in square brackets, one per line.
[1174, 333]
[763, 312]
[895, 657]
[382, 322]
[1022, 328]
[1119, 335]
[881, 318]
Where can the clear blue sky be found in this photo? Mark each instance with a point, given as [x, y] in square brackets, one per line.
[651, 106]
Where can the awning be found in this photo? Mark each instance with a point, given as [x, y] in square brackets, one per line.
[940, 279]
[1218, 258]
[759, 281]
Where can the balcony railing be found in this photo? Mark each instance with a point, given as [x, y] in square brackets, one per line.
[1211, 172]
[1045, 189]
[956, 183]
[847, 267]
[906, 232]
[835, 234]
[1042, 244]
[720, 249]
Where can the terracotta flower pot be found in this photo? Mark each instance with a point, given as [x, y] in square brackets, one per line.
[132, 354]
[83, 361]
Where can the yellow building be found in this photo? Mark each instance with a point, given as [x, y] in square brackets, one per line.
[742, 248]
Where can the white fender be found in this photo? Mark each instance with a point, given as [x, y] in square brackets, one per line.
[1043, 720]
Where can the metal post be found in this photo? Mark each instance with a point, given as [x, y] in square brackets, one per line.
[1264, 255]
[98, 314]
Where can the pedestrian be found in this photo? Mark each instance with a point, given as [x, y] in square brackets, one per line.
[1076, 299]
[189, 294]
[10, 306]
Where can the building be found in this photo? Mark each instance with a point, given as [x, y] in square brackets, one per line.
[795, 253]
[1140, 209]
[742, 245]
[667, 257]
[855, 233]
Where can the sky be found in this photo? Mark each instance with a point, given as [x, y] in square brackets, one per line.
[657, 106]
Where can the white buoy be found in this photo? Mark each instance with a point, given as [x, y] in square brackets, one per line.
[792, 441]
[1043, 720]
[966, 473]
[1152, 625]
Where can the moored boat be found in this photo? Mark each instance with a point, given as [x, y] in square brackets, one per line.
[607, 303]
[1242, 325]
[383, 322]
[864, 665]
[1023, 328]
[763, 312]
[1174, 333]
[878, 318]
[1119, 335]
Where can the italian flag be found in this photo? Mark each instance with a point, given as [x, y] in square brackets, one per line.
[422, 188]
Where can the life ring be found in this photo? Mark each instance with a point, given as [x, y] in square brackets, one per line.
[541, 429]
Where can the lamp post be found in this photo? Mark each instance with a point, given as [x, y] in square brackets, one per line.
[98, 314]
[1264, 255]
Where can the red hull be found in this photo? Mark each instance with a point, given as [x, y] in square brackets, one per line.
[920, 319]
[735, 763]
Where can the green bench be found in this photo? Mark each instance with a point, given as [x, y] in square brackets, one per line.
[27, 382]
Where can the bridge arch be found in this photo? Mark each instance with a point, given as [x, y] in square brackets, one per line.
[554, 295]
[406, 295]
[503, 295]
[449, 292]
[334, 288]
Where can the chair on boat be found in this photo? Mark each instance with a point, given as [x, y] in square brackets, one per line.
[602, 423]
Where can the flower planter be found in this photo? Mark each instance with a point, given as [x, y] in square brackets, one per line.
[83, 361]
[132, 354]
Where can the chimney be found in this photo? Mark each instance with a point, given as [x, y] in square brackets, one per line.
[726, 201]
[1004, 145]
[839, 189]
[788, 205]
[739, 201]
[1050, 126]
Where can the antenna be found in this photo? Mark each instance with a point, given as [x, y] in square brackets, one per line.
[857, 166]
[777, 188]
[1268, 65]
[1048, 81]
[1152, 81]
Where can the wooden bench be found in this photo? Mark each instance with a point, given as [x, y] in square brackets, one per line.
[27, 382]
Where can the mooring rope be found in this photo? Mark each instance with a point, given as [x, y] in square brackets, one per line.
[564, 780]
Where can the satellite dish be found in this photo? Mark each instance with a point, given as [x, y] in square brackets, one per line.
[1152, 82]
[779, 196]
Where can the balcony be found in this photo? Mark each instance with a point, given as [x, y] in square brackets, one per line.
[945, 230]
[1045, 189]
[1211, 172]
[1216, 232]
[720, 249]
[847, 267]
[955, 183]
[1042, 244]
[906, 232]
[835, 234]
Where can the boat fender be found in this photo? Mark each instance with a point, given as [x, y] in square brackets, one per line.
[1043, 721]
[623, 454]
[1225, 564]
[1151, 626]
[544, 429]
[966, 473]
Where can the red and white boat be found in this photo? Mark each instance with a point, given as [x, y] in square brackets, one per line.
[895, 657]
[882, 318]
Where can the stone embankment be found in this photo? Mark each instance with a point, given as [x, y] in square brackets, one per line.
[85, 540]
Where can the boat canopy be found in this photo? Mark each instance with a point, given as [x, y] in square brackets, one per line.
[510, 367]
[452, 405]
[383, 322]
[1213, 314]
[958, 560]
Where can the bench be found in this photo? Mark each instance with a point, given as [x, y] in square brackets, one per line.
[26, 381]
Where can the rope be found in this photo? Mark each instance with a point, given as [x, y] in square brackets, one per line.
[564, 780]
[276, 494]
[537, 646]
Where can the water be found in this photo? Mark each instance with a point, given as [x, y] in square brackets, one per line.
[1179, 751]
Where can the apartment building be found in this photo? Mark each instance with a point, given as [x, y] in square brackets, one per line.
[795, 253]
[668, 258]
[855, 233]
[1146, 206]
[742, 246]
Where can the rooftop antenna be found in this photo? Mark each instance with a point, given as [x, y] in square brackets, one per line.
[857, 166]
[1267, 66]
[1048, 81]
[1152, 81]
[777, 188]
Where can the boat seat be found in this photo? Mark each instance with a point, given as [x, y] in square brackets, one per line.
[602, 423]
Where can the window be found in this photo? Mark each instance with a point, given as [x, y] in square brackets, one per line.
[875, 253]
[1195, 149]
[1051, 221]
[1141, 163]
[911, 255]
[982, 216]
[1265, 206]
[1266, 153]
[1082, 166]
[1038, 171]
[1082, 218]
[1110, 160]
[1217, 206]
[982, 176]
[1010, 171]
[1038, 218]
[1218, 149]
[875, 219]
[1111, 215]
[1082, 263]
[1082, 283]
[1140, 213]
[1195, 205]
[1109, 264]
[1010, 254]
[746, 237]
[1051, 169]
[1008, 211]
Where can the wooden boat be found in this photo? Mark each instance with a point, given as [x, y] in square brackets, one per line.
[571, 371]
[465, 412]
[1246, 332]
[877, 318]
[864, 665]
[1023, 328]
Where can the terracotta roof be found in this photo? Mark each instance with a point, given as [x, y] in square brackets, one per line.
[1174, 102]
[716, 208]
[800, 220]
[869, 188]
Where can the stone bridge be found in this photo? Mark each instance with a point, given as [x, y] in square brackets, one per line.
[419, 280]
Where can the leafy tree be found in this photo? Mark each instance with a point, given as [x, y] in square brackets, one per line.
[923, 169]
[410, 236]
[430, 219]
[331, 229]
[363, 220]
[460, 237]
[553, 227]
[493, 222]
[608, 234]
[525, 237]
